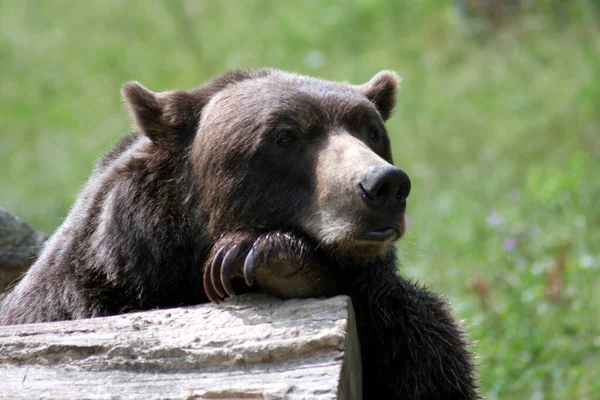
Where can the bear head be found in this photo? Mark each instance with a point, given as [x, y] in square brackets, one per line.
[279, 151]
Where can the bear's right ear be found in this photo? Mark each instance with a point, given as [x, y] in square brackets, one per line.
[162, 116]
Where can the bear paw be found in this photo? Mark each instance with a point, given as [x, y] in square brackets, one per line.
[279, 263]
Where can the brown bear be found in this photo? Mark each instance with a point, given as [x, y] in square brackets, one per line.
[263, 180]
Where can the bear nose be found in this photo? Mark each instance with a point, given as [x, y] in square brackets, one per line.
[384, 186]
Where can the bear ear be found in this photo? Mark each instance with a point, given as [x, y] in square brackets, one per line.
[146, 108]
[381, 91]
[165, 115]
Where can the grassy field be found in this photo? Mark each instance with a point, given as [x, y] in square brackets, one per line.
[500, 134]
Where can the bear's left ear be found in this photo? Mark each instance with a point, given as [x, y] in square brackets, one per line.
[381, 91]
[162, 116]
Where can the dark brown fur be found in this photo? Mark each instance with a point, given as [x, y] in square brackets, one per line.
[254, 180]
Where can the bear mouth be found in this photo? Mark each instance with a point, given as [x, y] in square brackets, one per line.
[381, 235]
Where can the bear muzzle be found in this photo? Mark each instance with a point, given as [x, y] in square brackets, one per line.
[384, 189]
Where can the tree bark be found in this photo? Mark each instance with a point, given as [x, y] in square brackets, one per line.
[19, 246]
[251, 346]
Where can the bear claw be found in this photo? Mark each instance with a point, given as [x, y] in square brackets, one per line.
[215, 277]
[230, 260]
[227, 270]
[250, 266]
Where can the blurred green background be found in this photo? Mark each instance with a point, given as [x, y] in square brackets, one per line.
[498, 125]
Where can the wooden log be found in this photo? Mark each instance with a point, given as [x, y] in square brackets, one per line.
[19, 246]
[251, 346]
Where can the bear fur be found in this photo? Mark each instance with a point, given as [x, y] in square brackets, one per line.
[258, 179]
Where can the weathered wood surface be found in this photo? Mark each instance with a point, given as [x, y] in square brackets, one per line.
[251, 346]
[19, 245]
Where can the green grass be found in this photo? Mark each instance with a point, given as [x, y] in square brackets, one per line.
[500, 135]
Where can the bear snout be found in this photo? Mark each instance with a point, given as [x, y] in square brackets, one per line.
[384, 188]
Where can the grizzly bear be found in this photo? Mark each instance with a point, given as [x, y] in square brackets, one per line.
[257, 180]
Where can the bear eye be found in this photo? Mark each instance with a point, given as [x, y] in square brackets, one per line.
[373, 135]
[285, 138]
